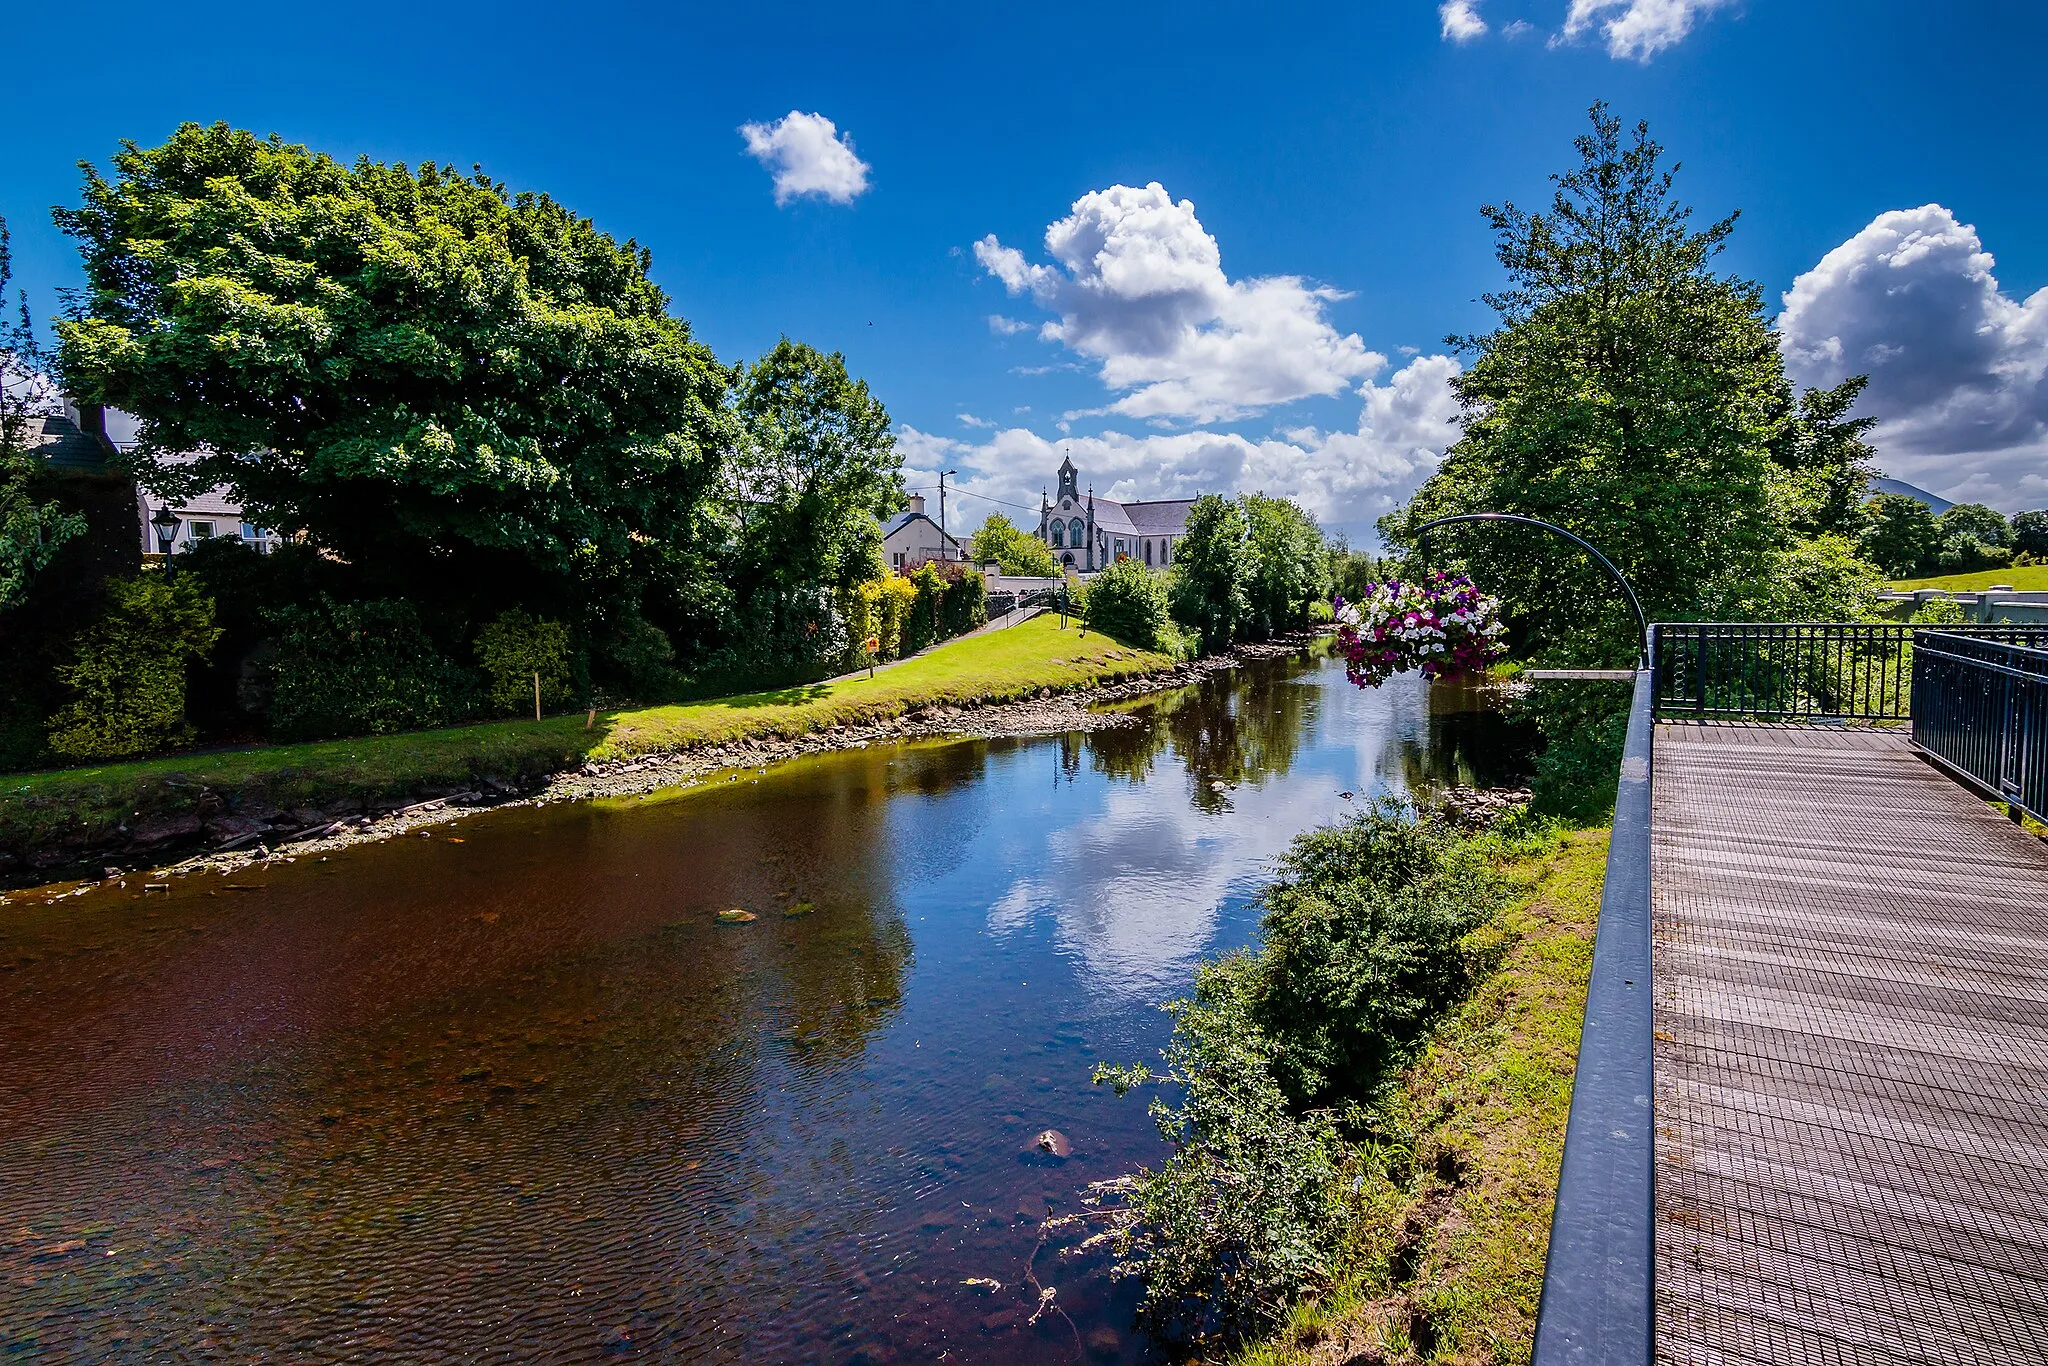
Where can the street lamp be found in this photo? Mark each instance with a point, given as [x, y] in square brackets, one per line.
[166, 523]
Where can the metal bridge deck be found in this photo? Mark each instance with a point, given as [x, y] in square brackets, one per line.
[1851, 972]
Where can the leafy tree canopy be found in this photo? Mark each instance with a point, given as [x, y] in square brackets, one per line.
[2030, 532]
[1016, 550]
[1289, 564]
[814, 470]
[1209, 588]
[441, 381]
[32, 528]
[1636, 397]
[1900, 535]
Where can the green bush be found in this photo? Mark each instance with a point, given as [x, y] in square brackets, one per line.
[1245, 1214]
[1209, 589]
[1128, 602]
[963, 603]
[361, 668]
[1370, 938]
[1365, 947]
[514, 649]
[127, 676]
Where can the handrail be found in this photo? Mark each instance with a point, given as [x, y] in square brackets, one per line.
[1980, 713]
[1599, 1275]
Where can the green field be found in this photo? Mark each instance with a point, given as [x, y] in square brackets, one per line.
[998, 666]
[2025, 577]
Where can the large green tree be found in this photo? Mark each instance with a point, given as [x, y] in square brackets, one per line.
[457, 389]
[33, 526]
[814, 470]
[1016, 550]
[1631, 394]
[1900, 535]
[1209, 587]
[1289, 565]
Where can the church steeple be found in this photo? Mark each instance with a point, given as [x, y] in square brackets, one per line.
[1070, 480]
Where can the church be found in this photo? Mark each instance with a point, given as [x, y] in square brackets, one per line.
[1090, 533]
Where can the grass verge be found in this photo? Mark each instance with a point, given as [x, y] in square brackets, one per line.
[1444, 1261]
[84, 807]
[2024, 577]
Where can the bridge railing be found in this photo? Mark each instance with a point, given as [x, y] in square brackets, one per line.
[1796, 671]
[1980, 710]
[1598, 1276]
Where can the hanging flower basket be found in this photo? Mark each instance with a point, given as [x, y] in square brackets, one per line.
[1442, 625]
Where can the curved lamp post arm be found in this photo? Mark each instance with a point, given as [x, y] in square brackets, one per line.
[1642, 622]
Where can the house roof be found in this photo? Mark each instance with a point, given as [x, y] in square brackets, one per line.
[904, 519]
[58, 440]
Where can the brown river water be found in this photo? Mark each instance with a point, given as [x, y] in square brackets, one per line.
[511, 1091]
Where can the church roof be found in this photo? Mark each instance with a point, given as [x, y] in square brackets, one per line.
[1162, 517]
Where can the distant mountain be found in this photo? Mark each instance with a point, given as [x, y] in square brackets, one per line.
[1884, 485]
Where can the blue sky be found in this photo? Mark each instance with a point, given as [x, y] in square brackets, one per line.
[1335, 156]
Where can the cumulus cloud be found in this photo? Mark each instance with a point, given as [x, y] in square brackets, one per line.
[1461, 21]
[807, 155]
[1343, 477]
[1642, 28]
[1956, 366]
[1139, 289]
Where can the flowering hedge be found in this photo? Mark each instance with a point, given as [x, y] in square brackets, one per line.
[1442, 625]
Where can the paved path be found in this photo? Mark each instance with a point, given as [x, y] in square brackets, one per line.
[1852, 1056]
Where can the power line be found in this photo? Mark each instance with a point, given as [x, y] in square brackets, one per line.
[969, 493]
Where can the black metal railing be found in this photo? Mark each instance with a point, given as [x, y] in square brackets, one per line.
[1980, 709]
[1796, 671]
[1599, 1273]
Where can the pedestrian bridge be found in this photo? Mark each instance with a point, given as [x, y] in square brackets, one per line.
[1810, 1122]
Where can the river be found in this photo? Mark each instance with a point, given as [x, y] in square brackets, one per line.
[511, 1091]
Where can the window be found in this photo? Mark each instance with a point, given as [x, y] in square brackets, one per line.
[1148, 554]
[1077, 533]
[1119, 546]
[1166, 551]
[202, 531]
[899, 561]
[1058, 534]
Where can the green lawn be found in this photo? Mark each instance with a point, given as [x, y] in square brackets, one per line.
[2024, 577]
[998, 666]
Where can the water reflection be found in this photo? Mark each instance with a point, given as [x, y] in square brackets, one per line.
[525, 1096]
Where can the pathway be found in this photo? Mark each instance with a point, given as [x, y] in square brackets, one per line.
[1851, 1056]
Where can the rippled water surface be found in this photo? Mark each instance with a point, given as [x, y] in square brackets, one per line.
[521, 1096]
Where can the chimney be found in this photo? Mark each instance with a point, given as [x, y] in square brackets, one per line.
[917, 502]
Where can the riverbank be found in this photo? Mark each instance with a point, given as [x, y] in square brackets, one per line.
[231, 807]
[1445, 1250]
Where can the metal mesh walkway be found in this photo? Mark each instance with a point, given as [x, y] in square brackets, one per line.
[1851, 966]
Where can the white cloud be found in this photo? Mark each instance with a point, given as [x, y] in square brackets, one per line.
[1461, 21]
[1140, 290]
[808, 156]
[1343, 477]
[1006, 327]
[1642, 29]
[1521, 28]
[1956, 366]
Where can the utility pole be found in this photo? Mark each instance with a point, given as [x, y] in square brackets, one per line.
[942, 507]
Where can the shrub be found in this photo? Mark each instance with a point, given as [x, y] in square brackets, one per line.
[516, 647]
[1128, 602]
[963, 602]
[362, 668]
[1368, 942]
[1245, 1214]
[1365, 947]
[127, 677]
[894, 599]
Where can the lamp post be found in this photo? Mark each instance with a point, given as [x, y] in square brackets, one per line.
[166, 523]
[943, 476]
[1627, 590]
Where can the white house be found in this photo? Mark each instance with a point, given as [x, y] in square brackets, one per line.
[911, 538]
[1087, 534]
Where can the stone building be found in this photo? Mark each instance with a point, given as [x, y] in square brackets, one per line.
[1086, 533]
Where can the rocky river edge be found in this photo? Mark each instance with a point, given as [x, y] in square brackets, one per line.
[245, 836]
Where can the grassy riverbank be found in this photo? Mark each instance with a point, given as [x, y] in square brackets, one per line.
[85, 806]
[1444, 1256]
